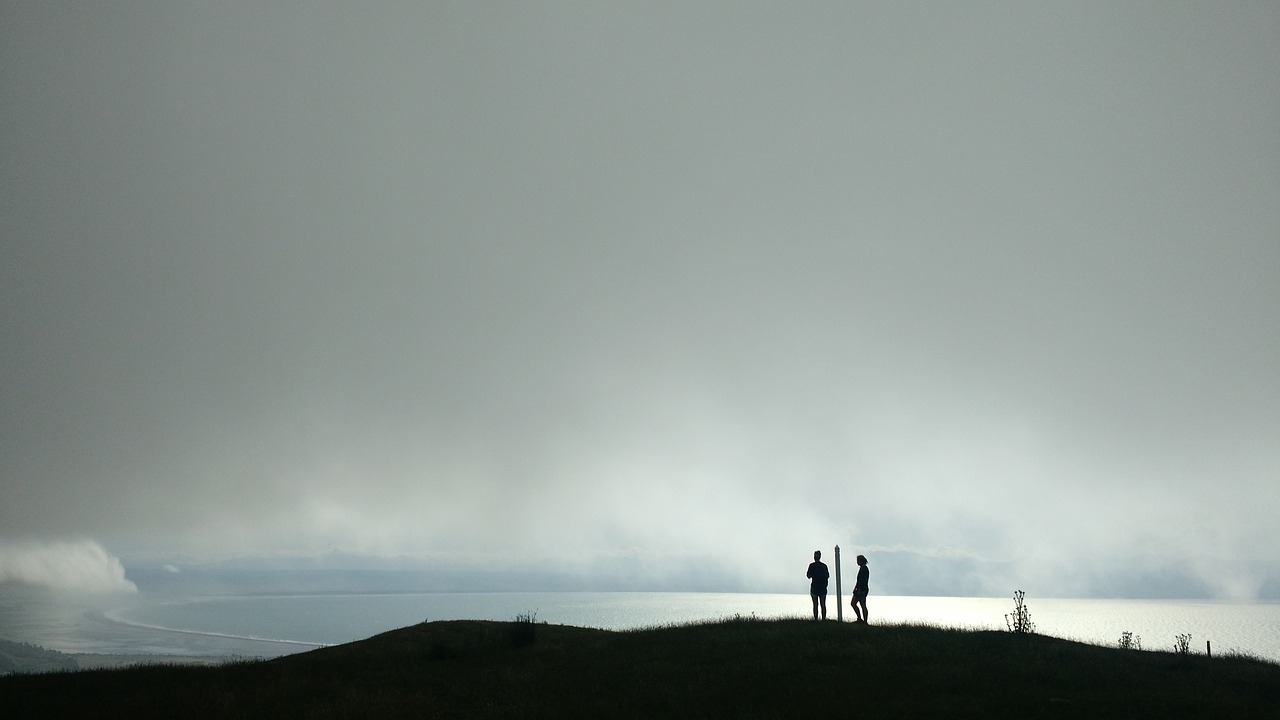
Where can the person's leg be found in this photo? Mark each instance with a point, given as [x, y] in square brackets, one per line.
[856, 611]
[822, 600]
[814, 598]
[862, 603]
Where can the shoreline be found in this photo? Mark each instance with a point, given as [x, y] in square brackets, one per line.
[106, 616]
[120, 643]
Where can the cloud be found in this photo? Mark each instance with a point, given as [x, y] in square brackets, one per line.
[81, 566]
[640, 288]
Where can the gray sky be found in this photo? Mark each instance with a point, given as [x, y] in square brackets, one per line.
[677, 287]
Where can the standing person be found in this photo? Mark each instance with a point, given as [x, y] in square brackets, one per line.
[818, 575]
[859, 601]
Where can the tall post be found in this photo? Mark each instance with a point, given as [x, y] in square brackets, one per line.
[839, 592]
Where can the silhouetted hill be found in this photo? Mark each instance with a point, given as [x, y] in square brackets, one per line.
[26, 658]
[741, 668]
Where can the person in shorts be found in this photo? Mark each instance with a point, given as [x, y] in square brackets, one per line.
[818, 575]
[859, 601]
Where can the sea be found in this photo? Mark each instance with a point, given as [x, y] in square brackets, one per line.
[270, 625]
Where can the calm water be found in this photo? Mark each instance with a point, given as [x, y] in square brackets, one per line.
[267, 626]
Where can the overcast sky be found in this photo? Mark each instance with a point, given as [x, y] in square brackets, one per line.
[690, 286]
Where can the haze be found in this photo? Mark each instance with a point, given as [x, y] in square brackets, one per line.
[670, 293]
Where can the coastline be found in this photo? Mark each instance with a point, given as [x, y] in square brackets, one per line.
[163, 644]
[119, 644]
[294, 645]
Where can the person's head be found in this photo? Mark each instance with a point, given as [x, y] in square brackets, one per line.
[817, 554]
[862, 559]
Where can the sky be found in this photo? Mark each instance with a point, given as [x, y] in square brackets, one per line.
[667, 292]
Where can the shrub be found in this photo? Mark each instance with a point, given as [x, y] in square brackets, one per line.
[1020, 620]
[1182, 644]
[1129, 641]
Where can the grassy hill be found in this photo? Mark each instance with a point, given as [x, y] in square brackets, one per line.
[25, 657]
[742, 668]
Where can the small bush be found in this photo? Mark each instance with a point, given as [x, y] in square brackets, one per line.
[1129, 641]
[1182, 644]
[1020, 620]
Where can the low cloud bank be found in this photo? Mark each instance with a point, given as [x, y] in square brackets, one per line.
[80, 566]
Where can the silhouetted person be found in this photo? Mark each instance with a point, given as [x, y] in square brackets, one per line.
[859, 601]
[818, 575]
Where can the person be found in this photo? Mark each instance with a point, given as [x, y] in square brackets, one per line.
[859, 601]
[818, 575]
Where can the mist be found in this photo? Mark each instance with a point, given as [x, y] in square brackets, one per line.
[81, 566]
[663, 296]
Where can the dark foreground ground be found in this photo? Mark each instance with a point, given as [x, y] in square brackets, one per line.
[735, 669]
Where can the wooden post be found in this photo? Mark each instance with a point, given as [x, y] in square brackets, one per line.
[839, 592]
[1208, 648]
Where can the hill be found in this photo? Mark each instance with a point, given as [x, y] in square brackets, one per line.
[17, 657]
[741, 668]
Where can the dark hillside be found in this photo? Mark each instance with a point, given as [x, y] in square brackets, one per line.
[25, 657]
[734, 669]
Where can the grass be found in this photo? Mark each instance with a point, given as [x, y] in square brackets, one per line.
[738, 668]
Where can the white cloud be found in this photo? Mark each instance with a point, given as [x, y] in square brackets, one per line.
[82, 566]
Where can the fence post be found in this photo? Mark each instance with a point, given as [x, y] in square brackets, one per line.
[839, 592]
[1208, 648]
